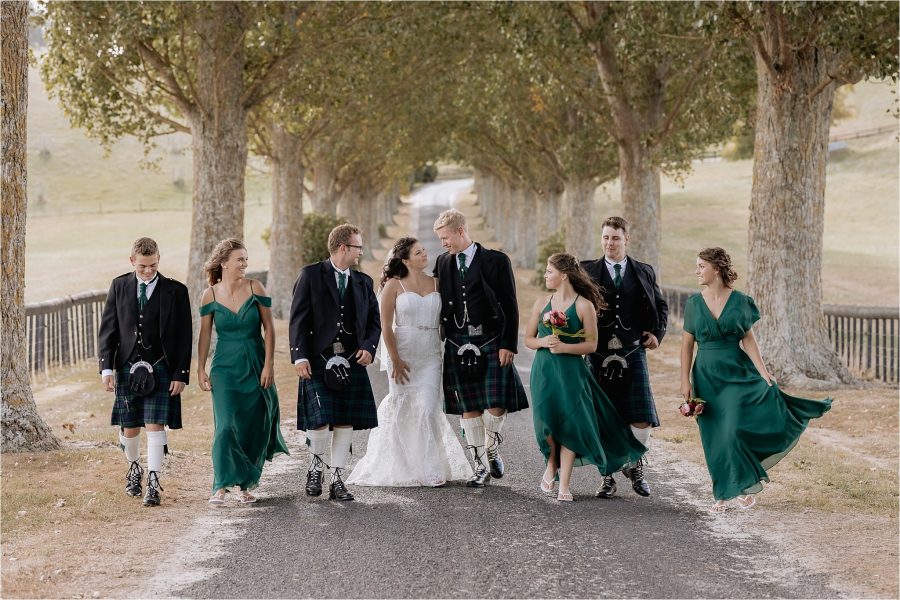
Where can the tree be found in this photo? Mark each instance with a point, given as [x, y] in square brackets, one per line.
[672, 81]
[23, 428]
[804, 52]
[151, 68]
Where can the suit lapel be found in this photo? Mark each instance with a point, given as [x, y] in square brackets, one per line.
[165, 303]
[130, 308]
[639, 276]
[329, 282]
[359, 299]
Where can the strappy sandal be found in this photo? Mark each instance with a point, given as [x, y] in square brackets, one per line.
[546, 486]
[561, 497]
[246, 497]
[745, 502]
[719, 507]
[218, 498]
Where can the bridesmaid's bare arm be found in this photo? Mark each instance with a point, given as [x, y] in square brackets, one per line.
[752, 350]
[687, 359]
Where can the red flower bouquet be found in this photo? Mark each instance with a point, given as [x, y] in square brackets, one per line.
[692, 407]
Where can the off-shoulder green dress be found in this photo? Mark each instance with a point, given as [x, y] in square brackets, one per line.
[747, 426]
[247, 417]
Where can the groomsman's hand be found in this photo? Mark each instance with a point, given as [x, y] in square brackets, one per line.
[651, 343]
[109, 383]
[506, 357]
[176, 387]
[363, 358]
[302, 369]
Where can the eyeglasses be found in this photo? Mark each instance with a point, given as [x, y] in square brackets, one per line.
[354, 246]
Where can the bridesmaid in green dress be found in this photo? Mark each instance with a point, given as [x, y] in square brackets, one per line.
[575, 423]
[748, 424]
[242, 378]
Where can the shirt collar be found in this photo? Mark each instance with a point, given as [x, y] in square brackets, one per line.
[470, 251]
[344, 271]
[149, 283]
[610, 263]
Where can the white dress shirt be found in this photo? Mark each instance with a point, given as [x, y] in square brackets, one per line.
[610, 266]
[470, 255]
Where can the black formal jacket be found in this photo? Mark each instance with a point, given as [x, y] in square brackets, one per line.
[654, 311]
[118, 325]
[499, 283]
[315, 311]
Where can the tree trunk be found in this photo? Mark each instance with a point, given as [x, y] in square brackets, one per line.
[286, 238]
[787, 209]
[219, 137]
[324, 196]
[527, 229]
[640, 202]
[548, 214]
[578, 218]
[23, 429]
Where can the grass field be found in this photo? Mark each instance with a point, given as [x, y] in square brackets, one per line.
[86, 207]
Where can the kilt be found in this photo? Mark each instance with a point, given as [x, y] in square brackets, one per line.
[317, 405]
[158, 408]
[638, 405]
[500, 388]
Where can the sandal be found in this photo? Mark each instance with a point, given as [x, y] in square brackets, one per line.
[246, 497]
[218, 498]
[719, 507]
[563, 497]
[745, 502]
[546, 486]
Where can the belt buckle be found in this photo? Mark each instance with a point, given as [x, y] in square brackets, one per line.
[337, 348]
[473, 331]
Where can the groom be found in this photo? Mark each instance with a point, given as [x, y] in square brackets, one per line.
[635, 322]
[334, 329]
[480, 319]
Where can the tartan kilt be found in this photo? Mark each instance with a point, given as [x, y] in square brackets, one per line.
[500, 388]
[317, 405]
[158, 408]
[638, 405]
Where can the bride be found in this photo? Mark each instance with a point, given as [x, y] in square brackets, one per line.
[413, 444]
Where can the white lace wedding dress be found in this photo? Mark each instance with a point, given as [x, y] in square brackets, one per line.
[413, 444]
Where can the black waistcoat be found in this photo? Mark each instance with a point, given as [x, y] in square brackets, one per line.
[149, 345]
[469, 293]
[347, 312]
[620, 318]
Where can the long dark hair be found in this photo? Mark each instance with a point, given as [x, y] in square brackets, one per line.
[721, 261]
[394, 267]
[579, 278]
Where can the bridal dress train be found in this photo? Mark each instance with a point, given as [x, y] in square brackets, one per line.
[413, 444]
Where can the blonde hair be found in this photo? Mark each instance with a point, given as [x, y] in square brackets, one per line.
[213, 265]
[144, 247]
[341, 235]
[451, 218]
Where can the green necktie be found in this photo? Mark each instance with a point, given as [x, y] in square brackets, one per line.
[342, 284]
[618, 279]
[462, 265]
[142, 299]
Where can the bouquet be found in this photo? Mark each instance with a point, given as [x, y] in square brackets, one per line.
[692, 407]
[556, 321]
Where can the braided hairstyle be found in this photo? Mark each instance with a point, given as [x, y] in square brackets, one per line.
[394, 266]
[579, 278]
[720, 259]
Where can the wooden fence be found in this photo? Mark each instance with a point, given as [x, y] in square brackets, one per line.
[64, 331]
[867, 338]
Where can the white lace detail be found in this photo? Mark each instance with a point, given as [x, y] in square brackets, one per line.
[413, 444]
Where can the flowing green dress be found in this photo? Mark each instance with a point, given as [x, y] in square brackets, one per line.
[747, 426]
[247, 417]
[568, 404]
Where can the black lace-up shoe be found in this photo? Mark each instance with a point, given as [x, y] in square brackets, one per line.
[314, 483]
[337, 490]
[151, 498]
[495, 461]
[638, 483]
[480, 478]
[133, 480]
[608, 488]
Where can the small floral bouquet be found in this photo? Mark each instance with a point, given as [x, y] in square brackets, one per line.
[556, 320]
[692, 407]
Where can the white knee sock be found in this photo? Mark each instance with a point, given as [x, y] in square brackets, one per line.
[156, 443]
[132, 447]
[642, 435]
[473, 429]
[340, 447]
[318, 442]
[492, 426]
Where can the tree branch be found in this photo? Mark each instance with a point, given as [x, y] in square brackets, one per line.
[148, 53]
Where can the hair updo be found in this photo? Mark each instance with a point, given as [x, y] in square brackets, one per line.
[394, 266]
[721, 261]
[220, 254]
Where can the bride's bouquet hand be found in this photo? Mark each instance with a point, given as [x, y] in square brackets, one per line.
[400, 371]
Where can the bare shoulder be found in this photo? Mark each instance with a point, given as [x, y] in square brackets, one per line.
[207, 296]
[540, 303]
[257, 287]
[584, 306]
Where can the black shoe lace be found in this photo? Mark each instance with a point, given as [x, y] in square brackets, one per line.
[153, 486]
[494, 448]
[638, 471]
[317, 465]
[135, 474]
[338, 483]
